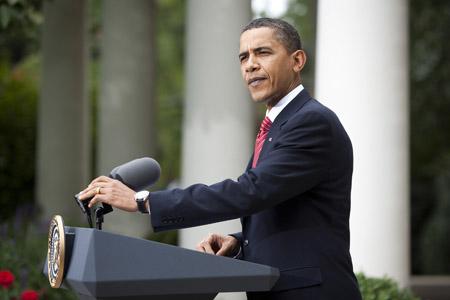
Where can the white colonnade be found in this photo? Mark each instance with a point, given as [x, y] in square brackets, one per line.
[218, 124]
[362, 74]
[125, 125]
[63, 111]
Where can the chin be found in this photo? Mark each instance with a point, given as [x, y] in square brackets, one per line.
[259, 98]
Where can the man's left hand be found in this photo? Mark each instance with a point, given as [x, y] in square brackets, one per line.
[222, 245]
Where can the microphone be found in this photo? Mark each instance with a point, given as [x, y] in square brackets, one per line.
[137, 174]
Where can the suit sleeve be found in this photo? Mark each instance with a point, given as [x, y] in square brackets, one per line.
[297, 162]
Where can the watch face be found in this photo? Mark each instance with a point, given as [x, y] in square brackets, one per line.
[142, 195]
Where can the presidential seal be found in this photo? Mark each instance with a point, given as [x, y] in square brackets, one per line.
[55, 253]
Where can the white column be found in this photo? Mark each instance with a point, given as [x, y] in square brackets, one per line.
[362, 74]
[125, 130]
[63, 123]
[218, 120]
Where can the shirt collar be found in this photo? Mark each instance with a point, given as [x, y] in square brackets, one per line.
[275, 111]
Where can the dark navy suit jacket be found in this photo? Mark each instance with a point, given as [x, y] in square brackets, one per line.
[294, 205]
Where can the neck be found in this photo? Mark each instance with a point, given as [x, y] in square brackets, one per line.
[271, 103]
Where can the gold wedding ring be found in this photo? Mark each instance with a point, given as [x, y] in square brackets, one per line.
[97, 191]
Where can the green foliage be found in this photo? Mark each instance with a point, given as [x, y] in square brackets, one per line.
[430, 135]
[18, 97]
[14, 12]
[302, 14]
[168, 237]
[430, 89]
[170, 26]
[382, 289]
[435, 245]
[19, 23]
[23, 250]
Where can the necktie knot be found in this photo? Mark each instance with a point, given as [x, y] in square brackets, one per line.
[265, 126]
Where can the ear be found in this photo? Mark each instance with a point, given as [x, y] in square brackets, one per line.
[299, 58]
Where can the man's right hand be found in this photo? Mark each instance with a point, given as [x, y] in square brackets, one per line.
[219, 245]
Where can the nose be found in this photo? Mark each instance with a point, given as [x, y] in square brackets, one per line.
[251, 64]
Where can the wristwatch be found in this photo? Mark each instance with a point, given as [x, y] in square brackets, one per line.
[141, 200]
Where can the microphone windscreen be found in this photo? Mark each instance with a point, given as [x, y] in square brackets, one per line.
[137, 174]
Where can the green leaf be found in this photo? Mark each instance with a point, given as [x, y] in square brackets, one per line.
[13, 2]
[382, 289]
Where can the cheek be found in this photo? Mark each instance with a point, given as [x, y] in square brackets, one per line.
[277, 74]
[269, 72]
[285, 75]
[242, 73]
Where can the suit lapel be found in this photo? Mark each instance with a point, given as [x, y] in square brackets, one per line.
[283, 117]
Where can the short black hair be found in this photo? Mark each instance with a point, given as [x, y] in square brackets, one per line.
[285, 33]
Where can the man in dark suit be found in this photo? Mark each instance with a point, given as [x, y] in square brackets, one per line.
[294, 197]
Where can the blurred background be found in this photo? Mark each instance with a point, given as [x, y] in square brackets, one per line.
[90, 84]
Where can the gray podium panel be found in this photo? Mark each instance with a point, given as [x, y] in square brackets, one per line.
[154, 297]
[104, 265]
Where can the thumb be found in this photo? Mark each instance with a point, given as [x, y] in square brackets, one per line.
[225, 249]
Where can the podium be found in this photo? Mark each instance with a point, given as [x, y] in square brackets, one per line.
[103, 265]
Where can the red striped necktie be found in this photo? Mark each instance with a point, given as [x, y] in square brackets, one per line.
[260, 138]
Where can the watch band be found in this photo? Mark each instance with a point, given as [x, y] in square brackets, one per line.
[142, 207]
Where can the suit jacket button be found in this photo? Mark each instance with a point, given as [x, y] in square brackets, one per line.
[245, 242]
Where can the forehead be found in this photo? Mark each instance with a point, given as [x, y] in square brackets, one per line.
[258, 37]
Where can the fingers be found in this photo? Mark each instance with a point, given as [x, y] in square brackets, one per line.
[110, 191]
[87, 194]
[228, 247]
[225, 250]
[100, 198]
[205, 246]
[90, 192]
[101, 179]
[211, 244]
[97, 186]
[97, 195]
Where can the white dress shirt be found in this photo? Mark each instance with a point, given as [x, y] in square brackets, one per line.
[275, 111]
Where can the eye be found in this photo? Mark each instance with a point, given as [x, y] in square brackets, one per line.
[264, 52]
[242, 58]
